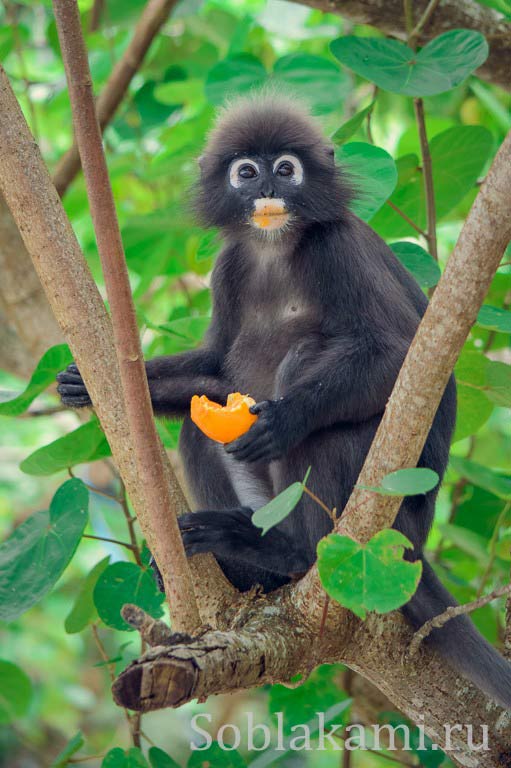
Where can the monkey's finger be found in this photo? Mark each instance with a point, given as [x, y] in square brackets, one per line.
[259, 407]
[255, 432]
[72, 390]
[65, 377]
[254, 452]
[76, 401]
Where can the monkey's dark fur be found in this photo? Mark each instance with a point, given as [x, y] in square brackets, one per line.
[314, 322]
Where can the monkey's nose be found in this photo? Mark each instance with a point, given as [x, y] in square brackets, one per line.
[267, 192]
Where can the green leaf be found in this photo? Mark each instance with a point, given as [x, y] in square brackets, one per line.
[314, 78]
[373, 173]
[352, 125]
[484, 477]
[83, 610]
[406, 482]
[370, 577]
[279, 507]
[233, 77]
[71, 748]
[216, 757]
[53, 361]
[123, 583]
[498, 382]
[494, 319]
[15, 692]
[85, 444]
[160, 759]
[33, 558]
[417, 261]
[441, 65]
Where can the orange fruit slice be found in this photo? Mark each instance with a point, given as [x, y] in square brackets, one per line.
[223, 423]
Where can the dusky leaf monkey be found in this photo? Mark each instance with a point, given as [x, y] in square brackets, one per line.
[312, 316]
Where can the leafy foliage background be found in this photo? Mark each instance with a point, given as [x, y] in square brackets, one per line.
[54, 677]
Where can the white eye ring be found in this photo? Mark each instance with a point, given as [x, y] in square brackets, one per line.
[297, 176]
[234, 179]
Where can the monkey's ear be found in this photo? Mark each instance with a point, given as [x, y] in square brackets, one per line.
[330, 150]
[201, 161]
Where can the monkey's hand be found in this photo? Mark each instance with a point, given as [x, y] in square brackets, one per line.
[270, 437]
[71, 388]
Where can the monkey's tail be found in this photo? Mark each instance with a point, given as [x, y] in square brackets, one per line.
[458, 641]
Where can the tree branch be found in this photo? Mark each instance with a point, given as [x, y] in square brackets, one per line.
[450, 613]
[80, 312]
[387, 16]
[154, 16]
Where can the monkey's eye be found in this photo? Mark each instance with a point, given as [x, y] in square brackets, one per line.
[289, 167]
[247, 172]
[285, 169]
[242, 170]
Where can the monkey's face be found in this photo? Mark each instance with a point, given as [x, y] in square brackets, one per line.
[266, 189]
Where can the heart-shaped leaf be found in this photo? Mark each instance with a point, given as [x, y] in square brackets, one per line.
[36, 554]
[441, 65]
[123, 583]
[53, 361]
[370, 577]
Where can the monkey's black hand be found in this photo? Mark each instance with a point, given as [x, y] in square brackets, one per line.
[71, 388]
[269, 438]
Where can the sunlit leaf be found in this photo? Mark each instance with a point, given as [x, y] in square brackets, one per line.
[406, 482]
[494, 319]
[351, 126]
[370, 577]
[233, 77]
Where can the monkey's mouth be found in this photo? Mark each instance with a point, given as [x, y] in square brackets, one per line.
[269, 214]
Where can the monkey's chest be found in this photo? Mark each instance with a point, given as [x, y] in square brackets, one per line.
[272, 334]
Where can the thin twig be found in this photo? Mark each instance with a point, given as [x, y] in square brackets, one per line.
[157, 514]
[322, 504]
[95, 15]
[427, 171]
[12, 15]
[407, 219]
[111, 670]
[108, 541]
[130, 522]
[423, 22]
[450, 613]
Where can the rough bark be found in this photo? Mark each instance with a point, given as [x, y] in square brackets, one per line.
[27, 324]
[80, 312]
[388, 17]
[151, 21]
